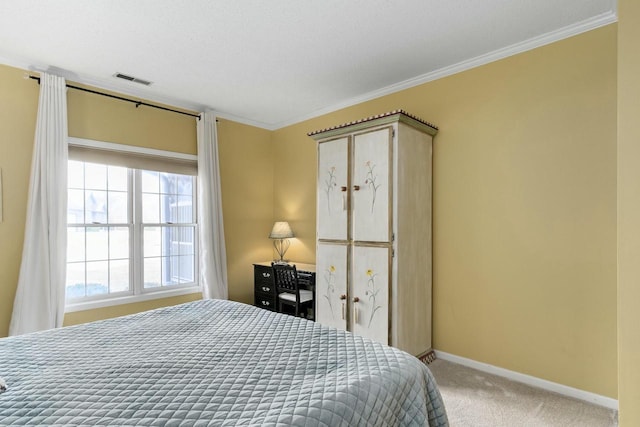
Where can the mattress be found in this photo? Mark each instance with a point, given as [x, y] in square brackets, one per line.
[215, 363]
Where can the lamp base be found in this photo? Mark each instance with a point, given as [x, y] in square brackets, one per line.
[281, 246]
[281, 261]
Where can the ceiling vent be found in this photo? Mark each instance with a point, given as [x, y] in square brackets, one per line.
[132, 79]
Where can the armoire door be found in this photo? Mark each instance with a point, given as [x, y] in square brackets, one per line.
[331, 285]
[370, 292]
[371, 186]
[333, 175]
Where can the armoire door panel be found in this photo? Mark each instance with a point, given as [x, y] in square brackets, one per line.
[333, 157]
[331, 285]
[371, 186]
[370, 292]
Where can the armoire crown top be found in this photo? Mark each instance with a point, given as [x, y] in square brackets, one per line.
[389, 114]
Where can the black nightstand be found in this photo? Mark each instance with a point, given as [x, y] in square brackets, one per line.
[264, 288]
[265, 295]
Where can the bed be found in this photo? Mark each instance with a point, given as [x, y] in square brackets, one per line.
[212, 362]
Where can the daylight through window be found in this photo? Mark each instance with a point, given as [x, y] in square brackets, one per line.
[130, 231]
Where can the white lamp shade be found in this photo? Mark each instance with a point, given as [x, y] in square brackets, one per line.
[281, 230]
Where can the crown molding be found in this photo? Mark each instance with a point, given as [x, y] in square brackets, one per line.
[123, 89]
[100, 83]
[245, 121]
[535, 42]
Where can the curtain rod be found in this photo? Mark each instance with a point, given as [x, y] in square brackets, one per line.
[138, 103]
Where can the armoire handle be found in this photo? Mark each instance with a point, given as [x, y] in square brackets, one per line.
[343, 298]
[356, 310]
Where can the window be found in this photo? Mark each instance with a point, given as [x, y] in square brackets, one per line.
[168, 223]
[99, 232]
[132, 233]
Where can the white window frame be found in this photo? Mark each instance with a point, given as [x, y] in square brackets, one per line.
[138, 293]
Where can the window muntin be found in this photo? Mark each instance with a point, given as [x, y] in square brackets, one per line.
[113, 220]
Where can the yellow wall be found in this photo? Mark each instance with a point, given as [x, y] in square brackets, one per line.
[246, 173]
[246, 179]
[18, 107]
[295, 189]
[628, 213]
[524, 202]
[106, 119]
[524, 207]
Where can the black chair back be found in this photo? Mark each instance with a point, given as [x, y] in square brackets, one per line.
[285, 277]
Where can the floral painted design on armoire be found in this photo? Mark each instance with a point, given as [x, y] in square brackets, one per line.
[374, 229]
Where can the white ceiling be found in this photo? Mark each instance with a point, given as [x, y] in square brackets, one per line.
[274, 63]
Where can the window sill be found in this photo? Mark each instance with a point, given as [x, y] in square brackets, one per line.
[90, 305]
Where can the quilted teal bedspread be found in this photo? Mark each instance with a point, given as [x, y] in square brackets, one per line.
[212, 363]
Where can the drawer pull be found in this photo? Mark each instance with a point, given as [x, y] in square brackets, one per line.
[265, 302]
[356, 310]
[266, 274]
[264, 288]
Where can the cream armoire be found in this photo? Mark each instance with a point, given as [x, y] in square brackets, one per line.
[373, 254]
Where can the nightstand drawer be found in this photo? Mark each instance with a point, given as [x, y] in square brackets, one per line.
[262, 276]
[266, 301]
[265, 288]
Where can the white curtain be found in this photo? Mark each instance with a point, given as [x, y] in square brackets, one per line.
[213, 255]
[39, 302]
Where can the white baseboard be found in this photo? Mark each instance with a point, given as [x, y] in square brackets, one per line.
[596, 399]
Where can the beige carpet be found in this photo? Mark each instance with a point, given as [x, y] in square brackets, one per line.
[475, 398]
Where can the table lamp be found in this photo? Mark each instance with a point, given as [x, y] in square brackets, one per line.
[281, 233]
